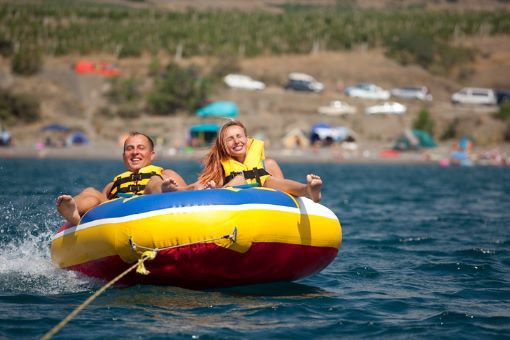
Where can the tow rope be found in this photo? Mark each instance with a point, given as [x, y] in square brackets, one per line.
[147, 254]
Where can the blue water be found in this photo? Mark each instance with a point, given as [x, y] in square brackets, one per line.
[426, 254]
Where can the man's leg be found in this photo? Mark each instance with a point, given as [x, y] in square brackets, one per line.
[72, 208]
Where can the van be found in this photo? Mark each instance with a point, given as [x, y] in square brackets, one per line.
[474, 95]
[303, 82]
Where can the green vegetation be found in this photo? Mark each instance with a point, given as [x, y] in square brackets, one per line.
[504, 115]
[61, 27]
[503, 112]
[178, 89]
[451, 130]
[412, 47]
[16, 108]
[424, 122]
[27, 60]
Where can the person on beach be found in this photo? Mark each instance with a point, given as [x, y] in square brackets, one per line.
[140, 178]
[235, 159]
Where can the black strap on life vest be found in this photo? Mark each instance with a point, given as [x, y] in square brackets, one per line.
[255, 173]
[132, 188]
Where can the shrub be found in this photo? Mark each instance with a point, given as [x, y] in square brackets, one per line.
[123, 90]
[5, 47]
[15, 108]
[424, 122]
[178, 89]
[26, 61]
[128, 111]
[451, 130]
[503, 112]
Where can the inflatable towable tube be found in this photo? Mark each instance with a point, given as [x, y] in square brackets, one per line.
[203, 239]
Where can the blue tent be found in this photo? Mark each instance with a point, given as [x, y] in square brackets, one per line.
[325, 133]
[79, 138]
[219, 109]
[414, 140]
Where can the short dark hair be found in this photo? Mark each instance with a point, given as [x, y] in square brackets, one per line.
[136, 133]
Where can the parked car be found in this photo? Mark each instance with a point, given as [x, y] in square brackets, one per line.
[502, 96]
[473, 95]
[336, 108]
[367, 91]
[386, 108]
[303, 82]
[240, 81]
[412, 92]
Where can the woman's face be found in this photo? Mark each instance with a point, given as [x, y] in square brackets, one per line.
[236, 142]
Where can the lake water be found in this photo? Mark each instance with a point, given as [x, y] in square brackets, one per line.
[425, 254]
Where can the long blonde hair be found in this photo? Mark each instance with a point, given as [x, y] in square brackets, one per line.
[213, 171]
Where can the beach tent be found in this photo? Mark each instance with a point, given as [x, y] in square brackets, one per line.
[327, 134]
[203, 134]
[295, 138]
[226, 109]
[78, 138]
[414, 140]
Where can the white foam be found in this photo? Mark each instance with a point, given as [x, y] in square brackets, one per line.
[26, 267]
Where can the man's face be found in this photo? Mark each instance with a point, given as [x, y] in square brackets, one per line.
[137, 153]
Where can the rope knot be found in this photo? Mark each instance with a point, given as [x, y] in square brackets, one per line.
[146, 255]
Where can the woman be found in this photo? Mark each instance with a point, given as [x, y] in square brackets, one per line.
[236, 159]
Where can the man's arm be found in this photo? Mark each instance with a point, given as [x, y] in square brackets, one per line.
[169, 181]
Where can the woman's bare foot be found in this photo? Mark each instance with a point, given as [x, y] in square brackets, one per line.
[169, 185]
[210, 185]
[313, 187]
[66, 206]
[237, 180]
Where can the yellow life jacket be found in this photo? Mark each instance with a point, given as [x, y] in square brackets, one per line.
[133, 183]
[253, 167]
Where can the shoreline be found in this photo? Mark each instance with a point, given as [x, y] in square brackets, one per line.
[332, 155]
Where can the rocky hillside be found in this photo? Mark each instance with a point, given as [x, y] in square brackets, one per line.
[75, 100]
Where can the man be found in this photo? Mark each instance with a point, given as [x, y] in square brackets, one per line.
[140, 178]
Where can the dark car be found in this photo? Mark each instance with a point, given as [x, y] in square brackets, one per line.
[303, 82]
[503, 96]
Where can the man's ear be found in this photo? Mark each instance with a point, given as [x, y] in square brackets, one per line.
[153, 155]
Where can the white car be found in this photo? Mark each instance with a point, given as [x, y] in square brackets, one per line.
[412, 92]
[386, 108]
[473, 95]
[336, 108]
[240, 81]
[367, 91]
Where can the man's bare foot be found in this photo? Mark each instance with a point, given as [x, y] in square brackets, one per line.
[169, 185]
[313, 187]
[66, 206]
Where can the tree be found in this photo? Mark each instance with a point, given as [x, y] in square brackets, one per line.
[178, 89]
[424, 122]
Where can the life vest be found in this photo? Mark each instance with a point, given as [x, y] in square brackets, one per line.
[133, 183]
[252, 168]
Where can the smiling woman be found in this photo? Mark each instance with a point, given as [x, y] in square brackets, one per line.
[236, 160]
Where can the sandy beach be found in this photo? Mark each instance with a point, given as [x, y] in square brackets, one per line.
[364, 154]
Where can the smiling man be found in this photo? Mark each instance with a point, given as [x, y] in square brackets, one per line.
[140, 178]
